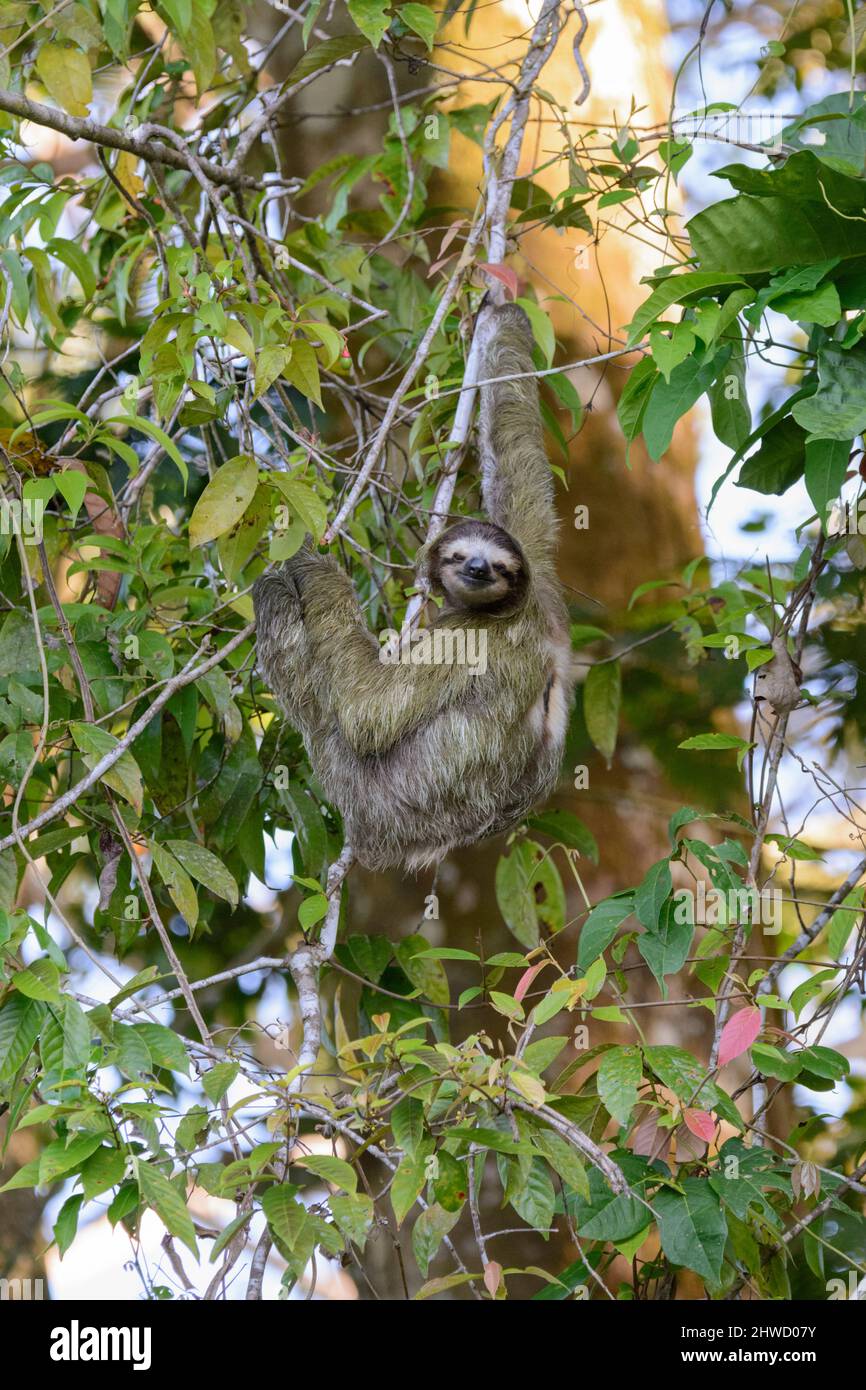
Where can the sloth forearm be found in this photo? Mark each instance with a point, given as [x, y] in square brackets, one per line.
[516, 480]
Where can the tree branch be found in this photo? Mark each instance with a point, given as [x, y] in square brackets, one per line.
[149, 149]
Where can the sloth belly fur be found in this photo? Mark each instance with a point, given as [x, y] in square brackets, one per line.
[466, 775]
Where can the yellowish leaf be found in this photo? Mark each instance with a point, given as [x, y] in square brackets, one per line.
[224, 500]
[66, 74]
[125, 168]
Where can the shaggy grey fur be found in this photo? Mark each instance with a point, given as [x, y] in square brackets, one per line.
[420, 759]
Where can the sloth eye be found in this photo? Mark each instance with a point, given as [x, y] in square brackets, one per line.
[501, 569]
[457, 558]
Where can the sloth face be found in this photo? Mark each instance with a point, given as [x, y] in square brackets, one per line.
[479, 567]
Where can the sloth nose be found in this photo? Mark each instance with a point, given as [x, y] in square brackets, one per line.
[477, 568]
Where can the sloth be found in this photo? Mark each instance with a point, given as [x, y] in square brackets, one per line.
[422, 757]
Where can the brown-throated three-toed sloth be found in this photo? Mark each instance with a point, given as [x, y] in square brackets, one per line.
[422, 758]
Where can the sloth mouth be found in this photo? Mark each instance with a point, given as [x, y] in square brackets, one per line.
[476, 581]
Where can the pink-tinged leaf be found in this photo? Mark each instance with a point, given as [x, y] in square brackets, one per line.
[738, 1034]
[505, 275]
[526, 980]
[492, 1277]
[701, 1124]
[688, 1148]
[648, 1138]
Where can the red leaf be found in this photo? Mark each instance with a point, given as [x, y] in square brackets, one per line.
[701, 1124]
[492, 1277]
[739, 1033]
[526, 980]
[505, 275]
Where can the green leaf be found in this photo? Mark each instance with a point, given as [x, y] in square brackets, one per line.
[270, 363]
[304, 502]
[825, 1062]
[562, 1158]
[820, 305]
[427, 975]
[826, 466]
[178, 883]
[837, 410]
[618, 1077]
[41, 980]
[302, 370]
[515, 897]
[224, 500]
[227, 1233]
[692, 1227]
[165, 1047]
[409, 1180]
[371, 17]
[676, 289]
[76, 260]
[133, 1053]
[125, 776]
[671, 400]
[66, 74]
[565, 828]
[138, 422]
[59, 1157]
[205, 868]
[370, 955]
[312, 910]
[535, 1202]
[179, 13]
[102, 1170]
[163, 1197]
[671, 345]
[321, 55]
[652, 894]
[420, 20]
[333, 1170]
[632, 404]
[607, 1216]
[729, 402]
[779, 461]
[666, 948]
[200, 47]
[714, 742]
[354, 1215]
[600, 928]
[66, 1225]
[748, 235]
[601, 699]
[407, 1124]
[843, 922]
[218, 1078]
[75, 1031]
[687, 1078]
[428, 1233]
[450, 1187]
[772, 1061]
[20, 1022]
